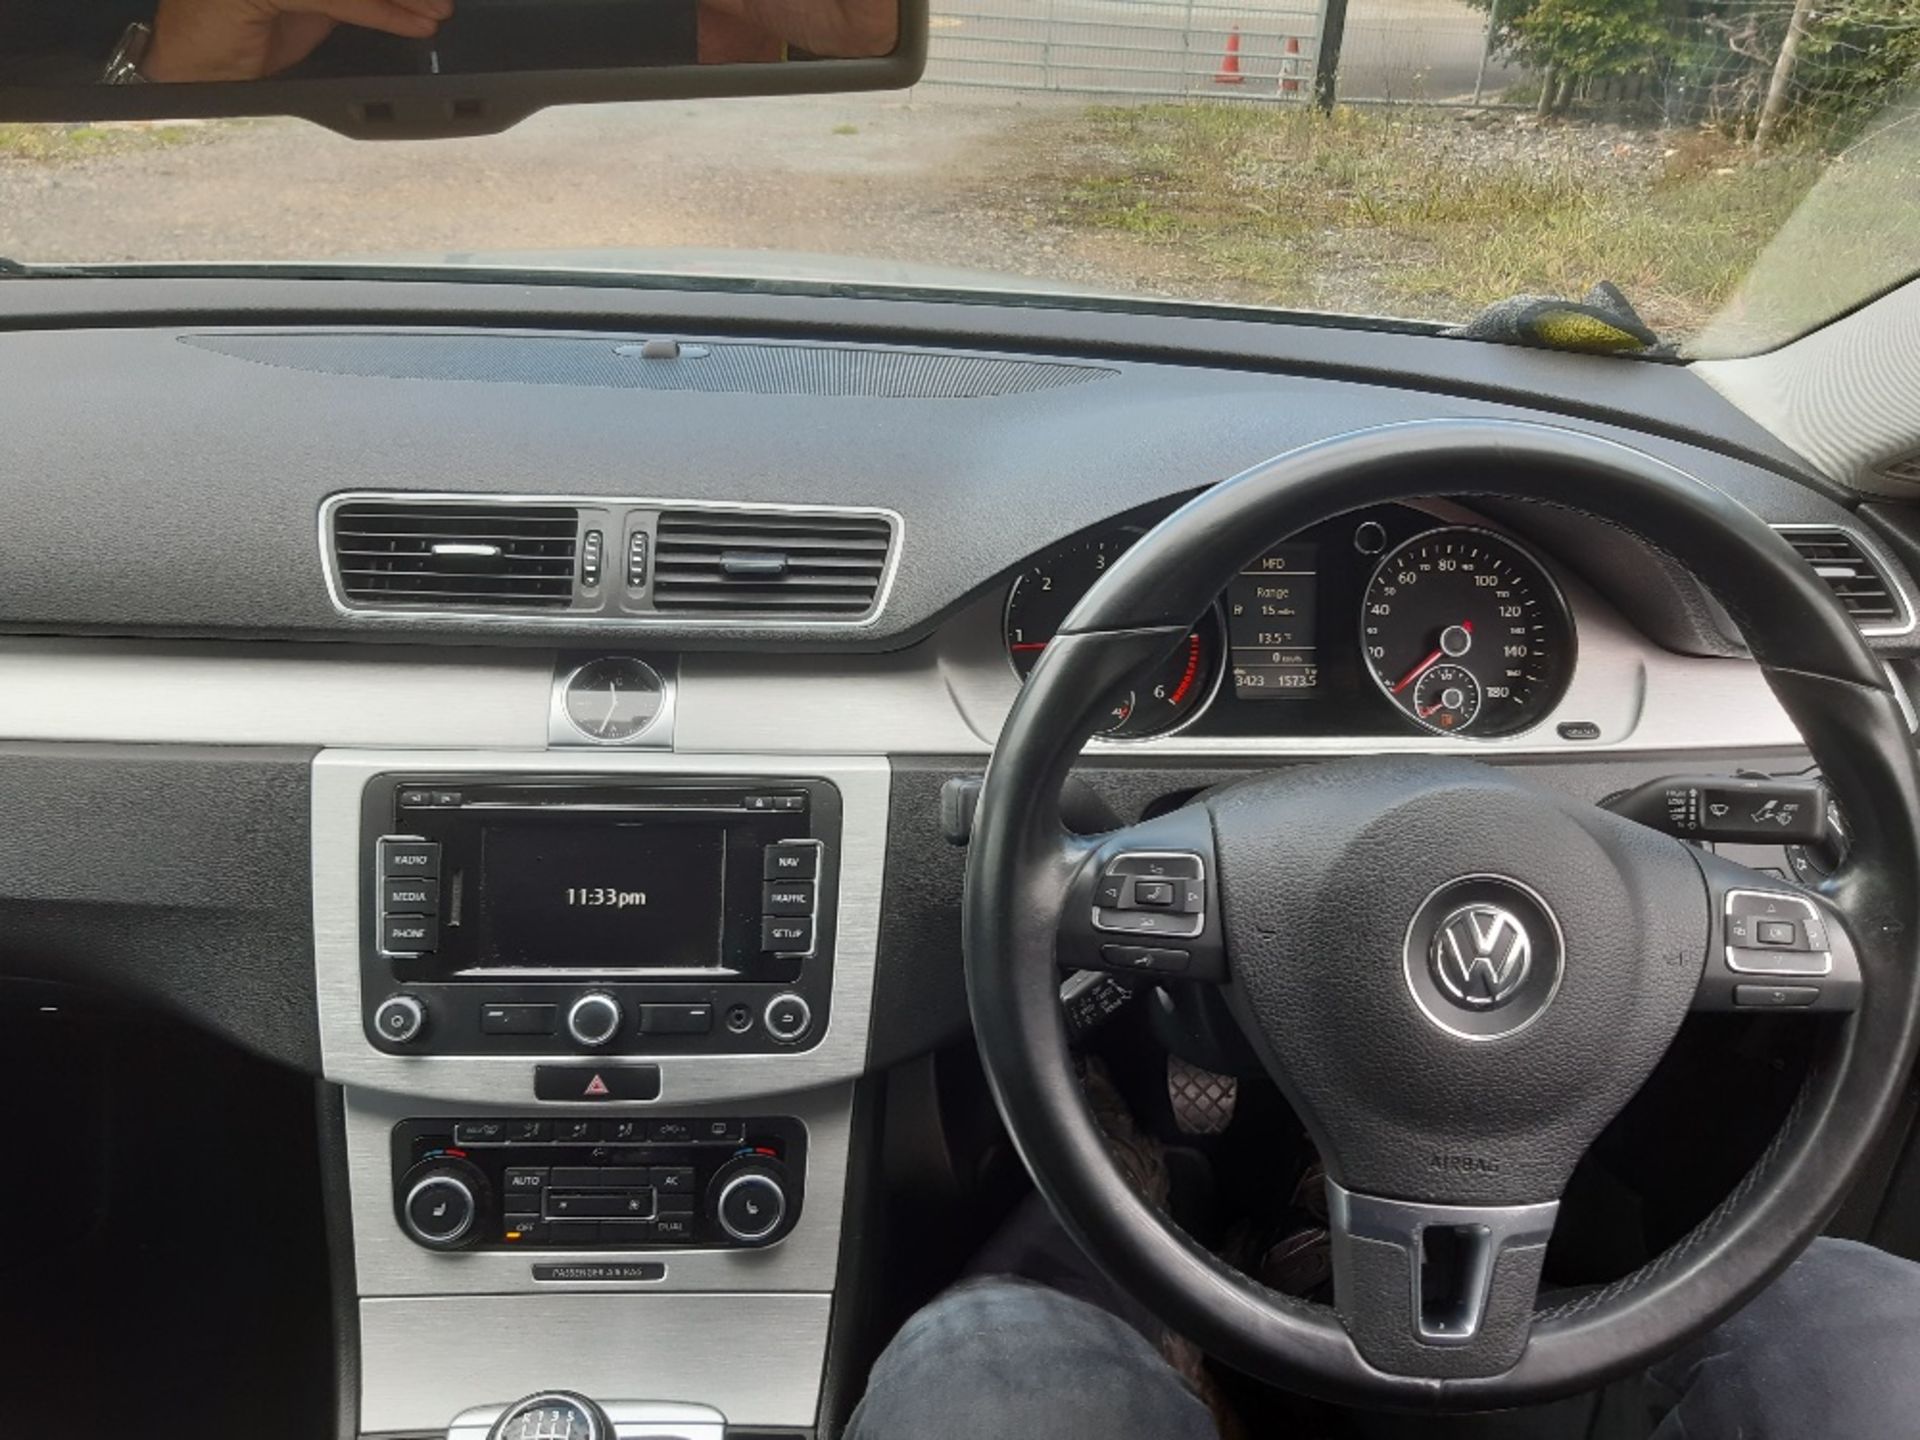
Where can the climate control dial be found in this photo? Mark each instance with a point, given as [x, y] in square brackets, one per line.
[748, 1199]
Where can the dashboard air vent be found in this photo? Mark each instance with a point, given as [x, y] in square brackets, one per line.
[470, 555]
[1839, 557]
[728, 563]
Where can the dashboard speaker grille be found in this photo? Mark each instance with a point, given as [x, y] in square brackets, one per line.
[610, 362]
[1841, 558]
[458, 556]
[769, 563]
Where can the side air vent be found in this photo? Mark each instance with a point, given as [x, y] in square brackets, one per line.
[1906, 471]
[771, 563]
[396, 554]
[1858, 577]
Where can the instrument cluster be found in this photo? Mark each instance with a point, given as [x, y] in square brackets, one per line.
[1382, 620]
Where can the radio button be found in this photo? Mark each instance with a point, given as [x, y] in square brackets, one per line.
[788, 1018]
[790, 860]
[783, 935]
[787, 897]
[409, 934]
[410, 897]
[409, 857]
[675, 1020]
[506, 1019]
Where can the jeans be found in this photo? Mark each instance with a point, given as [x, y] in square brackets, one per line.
[1831, 1351]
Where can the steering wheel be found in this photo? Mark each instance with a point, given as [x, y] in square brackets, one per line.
[1457, 977]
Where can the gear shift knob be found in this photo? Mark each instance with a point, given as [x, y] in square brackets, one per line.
[552, 1415]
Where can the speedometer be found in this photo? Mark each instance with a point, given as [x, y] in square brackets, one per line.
[1466, 633]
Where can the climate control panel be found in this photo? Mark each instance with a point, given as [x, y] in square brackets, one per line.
[591, 1182]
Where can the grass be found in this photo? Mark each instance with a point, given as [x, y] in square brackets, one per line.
[846, 129]
[53, 144]
[1409, 213]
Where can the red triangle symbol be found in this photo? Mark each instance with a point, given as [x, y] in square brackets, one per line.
[596, 1086]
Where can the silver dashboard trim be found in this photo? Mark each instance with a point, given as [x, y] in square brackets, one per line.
[387, 1263]
[897, 542]
[348, 1058]
[425, 1359]
[1889, 571]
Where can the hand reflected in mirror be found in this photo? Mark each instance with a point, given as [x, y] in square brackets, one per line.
[733, 31]
[208, 40]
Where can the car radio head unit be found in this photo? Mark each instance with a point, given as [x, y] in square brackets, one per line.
[533, 915]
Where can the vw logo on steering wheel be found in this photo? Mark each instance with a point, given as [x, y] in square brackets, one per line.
[1481, 955]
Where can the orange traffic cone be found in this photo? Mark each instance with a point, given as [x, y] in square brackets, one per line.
[1290, 67]
[1229, 71]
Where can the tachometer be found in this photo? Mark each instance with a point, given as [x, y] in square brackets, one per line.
[1167, 696]
[1466, 633]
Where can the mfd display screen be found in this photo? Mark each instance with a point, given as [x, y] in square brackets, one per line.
[1270, 624]
[560, 895]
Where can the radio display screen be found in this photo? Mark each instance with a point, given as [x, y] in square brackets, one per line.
[558, 895]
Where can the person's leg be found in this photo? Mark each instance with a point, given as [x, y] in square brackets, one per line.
[1830, 1350]
[1008, 1357]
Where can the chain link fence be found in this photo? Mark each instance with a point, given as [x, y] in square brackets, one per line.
[1414, 50]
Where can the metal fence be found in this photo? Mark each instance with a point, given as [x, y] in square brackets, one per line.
[1430, 51]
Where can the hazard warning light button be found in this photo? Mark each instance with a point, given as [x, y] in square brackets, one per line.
[596, 1082]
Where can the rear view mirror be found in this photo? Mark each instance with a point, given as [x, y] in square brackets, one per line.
[416, 68]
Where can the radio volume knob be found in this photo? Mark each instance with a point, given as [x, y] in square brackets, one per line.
[594, 1019]
[399, 1019]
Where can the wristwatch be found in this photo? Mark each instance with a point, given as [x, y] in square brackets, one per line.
[123, 66]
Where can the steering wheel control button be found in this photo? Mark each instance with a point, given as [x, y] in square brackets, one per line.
[1774, 933]
[1152, 893]
[788, 1018]
[1145, 960]
[596, 1085]
[400, 1019]
[594, 1019]
[1774, 997]
[1484, 956]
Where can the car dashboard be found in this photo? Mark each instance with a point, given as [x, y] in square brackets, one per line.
[339, 650]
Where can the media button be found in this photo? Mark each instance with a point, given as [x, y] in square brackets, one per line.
[410, 896]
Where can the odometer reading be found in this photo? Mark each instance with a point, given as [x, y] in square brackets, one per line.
[1466, 634]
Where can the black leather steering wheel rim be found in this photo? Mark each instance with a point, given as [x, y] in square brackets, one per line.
[1019, 867]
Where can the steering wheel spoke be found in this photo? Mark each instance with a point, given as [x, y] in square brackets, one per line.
[1145, 901]
[1439, 1291]
[1774, 946]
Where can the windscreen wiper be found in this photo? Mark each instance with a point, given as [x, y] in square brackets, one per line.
[11, 269]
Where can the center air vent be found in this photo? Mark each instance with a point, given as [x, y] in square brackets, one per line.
[396, 554]
[770, 563]
[1858, 577]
